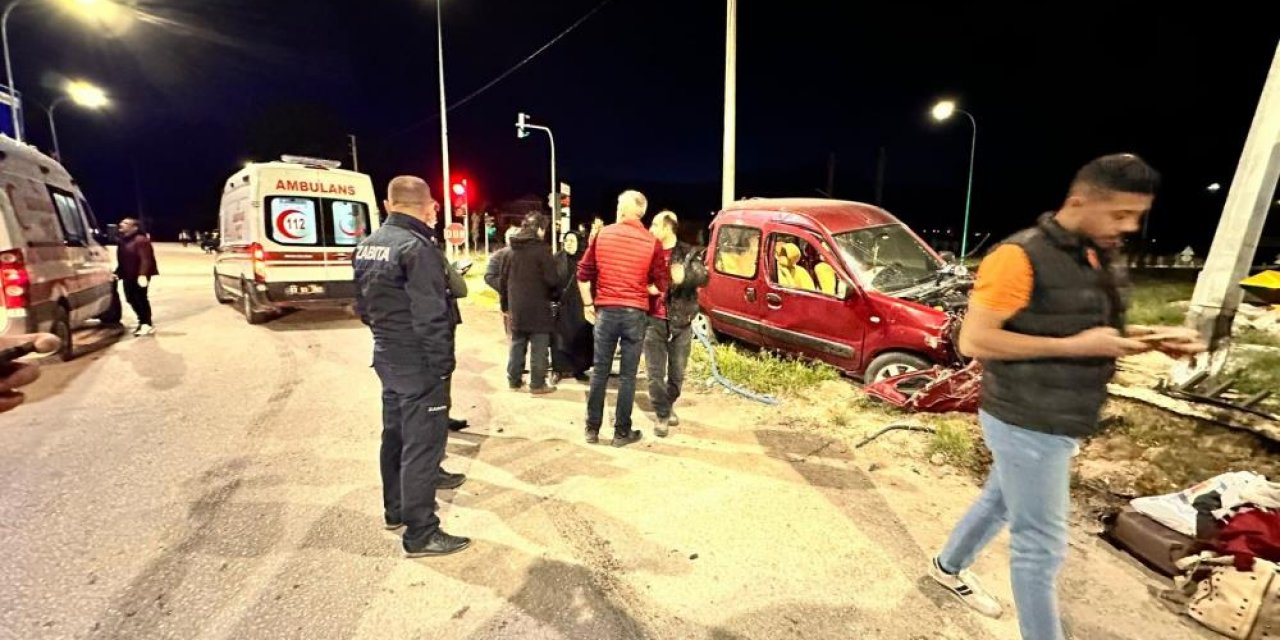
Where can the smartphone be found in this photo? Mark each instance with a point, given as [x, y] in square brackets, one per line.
[1159, 337]
[13, 353]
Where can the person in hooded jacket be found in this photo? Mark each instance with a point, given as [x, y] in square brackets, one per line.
[529, 285]
[573, 342]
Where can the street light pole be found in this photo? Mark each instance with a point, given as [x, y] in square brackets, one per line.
[8, 70]
[522, 123]
[968, 192]
[444, 125]
[53, 128]
[730, 151]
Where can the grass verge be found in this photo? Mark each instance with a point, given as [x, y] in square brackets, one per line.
[954, 442]
[761, 372]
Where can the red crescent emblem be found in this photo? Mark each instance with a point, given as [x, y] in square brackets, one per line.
[343, 227]
[284, 215]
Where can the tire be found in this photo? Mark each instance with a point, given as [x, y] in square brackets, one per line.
[220, 293]
[894, 363]
[246, 306]
[62, 328]
[702, 323]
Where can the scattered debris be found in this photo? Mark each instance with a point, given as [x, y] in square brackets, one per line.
[893, 427]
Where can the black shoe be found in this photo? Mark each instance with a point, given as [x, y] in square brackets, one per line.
[436, 544]
[446, 480]
[593, 435]
[515, 386]
[543, 390]
[582, 377]
[628, 438]
[457, 425]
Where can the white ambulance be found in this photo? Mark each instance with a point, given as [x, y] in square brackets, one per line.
[287, 232]
[56, 275]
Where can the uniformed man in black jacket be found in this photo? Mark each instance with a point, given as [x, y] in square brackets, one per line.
[402, 293]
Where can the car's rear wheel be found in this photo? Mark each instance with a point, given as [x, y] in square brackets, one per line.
[246, 305]
[893, 364]
[62, 328]
[702, 324]
[220, 292]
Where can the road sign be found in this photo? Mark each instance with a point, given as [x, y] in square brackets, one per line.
[455, 234]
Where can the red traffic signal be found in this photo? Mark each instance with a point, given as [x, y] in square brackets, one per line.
[460, 188]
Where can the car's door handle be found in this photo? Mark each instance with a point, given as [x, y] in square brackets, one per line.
[751, 294]
[773, 300]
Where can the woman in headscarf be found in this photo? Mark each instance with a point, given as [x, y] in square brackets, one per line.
[573, 345]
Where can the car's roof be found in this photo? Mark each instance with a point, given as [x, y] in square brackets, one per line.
[836, 215]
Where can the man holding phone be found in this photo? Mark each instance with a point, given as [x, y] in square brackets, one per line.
[1046, 319]
[15, 375]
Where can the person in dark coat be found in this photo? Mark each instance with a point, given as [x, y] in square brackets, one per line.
[573, 344]
[493, 277]
[135, 267]
[529, 286]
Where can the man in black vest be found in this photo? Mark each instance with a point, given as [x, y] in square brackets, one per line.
[1047, 321]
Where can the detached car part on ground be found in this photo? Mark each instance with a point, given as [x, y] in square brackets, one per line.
[842, 282]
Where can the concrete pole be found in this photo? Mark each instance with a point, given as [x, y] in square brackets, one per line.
[730, 168]
[355, 153]
[1218, 293]
[8, 70]
[445, 187]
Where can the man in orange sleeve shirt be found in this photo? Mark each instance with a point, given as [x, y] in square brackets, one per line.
[1046, 319]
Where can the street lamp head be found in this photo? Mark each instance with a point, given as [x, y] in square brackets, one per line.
[87, 95]
[1214, 188]
[943, 110]
[112, 17]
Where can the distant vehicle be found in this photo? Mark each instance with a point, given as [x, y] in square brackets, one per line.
[841, 282]
[287, 230]
[55, 272]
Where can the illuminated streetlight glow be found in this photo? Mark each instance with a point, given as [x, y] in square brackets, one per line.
[943, 110]
[86, 94]
[1214, 188]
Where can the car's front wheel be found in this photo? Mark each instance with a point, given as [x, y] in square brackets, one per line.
[893, 364]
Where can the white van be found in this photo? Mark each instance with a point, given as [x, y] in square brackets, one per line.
[288, 229]
[55, 272]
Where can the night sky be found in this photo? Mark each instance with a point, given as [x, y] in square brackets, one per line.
[634, 96]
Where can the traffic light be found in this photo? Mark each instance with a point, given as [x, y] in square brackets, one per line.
[460, 195]
[522, 119]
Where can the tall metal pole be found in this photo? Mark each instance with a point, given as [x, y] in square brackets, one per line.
[1218, 294]
[729, 160]
[53, 128]
[968, 193]
[444, 127]
[8, 70]
[555, 193]
[355, 153]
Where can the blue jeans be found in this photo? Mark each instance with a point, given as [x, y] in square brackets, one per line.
[616, 326]
[1028, 489]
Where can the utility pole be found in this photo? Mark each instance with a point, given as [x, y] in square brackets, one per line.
[444, 127]
[522, 127]
[882, 159]
[1218, 293]
[730, 164]
[355, 153]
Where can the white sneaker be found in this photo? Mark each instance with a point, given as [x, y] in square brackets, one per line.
[965, 586]
[674, 420]
[144, 330]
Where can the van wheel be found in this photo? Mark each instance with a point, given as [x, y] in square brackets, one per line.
[62, 328]
[219, 292]
[889, 365]
[246, 306]
[702, 324]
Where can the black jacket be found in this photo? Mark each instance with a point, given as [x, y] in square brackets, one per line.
[682, 299]
[1061, 396]
[493, 273]
[529, 284]
[402, 293]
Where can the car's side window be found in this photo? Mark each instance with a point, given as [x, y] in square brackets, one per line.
[737, 251]
[74, 233]
[795, 263]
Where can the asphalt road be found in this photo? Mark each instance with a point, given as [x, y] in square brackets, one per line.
[220, 481]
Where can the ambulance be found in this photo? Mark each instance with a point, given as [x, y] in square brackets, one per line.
[54, 270]
[288, 229]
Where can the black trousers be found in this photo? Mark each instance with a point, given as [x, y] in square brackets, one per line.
[137, 298]
[537, 346]
[415, 427]
[666, 356]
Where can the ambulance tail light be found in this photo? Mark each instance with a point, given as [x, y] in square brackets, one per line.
[15, 279]
[258, 257]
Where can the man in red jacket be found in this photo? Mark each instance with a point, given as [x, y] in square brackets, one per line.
[135, 266]
[622, 263]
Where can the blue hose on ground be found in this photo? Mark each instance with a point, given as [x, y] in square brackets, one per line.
[715, 372]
